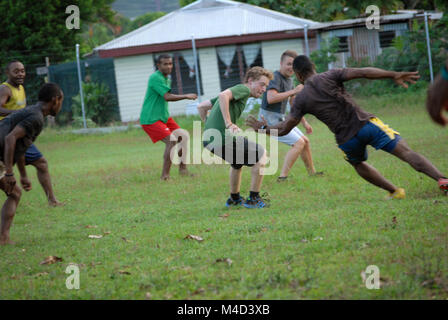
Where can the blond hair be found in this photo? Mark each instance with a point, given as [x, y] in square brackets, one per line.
[255, 73]
[288, 53]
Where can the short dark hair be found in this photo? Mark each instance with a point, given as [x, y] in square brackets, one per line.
[49, 91]
[162, 56]
[303, 65]
[10, 63]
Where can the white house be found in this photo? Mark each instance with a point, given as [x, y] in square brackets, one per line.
[229, 36]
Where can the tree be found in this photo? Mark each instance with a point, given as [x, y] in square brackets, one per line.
[183, 3]
[144, 19]
[96, 34]
[38, 28]
[326, 54]
[32, 30]
[329, 10]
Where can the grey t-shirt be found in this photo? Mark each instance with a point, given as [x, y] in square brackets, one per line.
[281, 84]
[324, 96]
[31, 120]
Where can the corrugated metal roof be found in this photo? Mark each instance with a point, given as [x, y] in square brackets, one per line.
[210, 19]
[383, 19]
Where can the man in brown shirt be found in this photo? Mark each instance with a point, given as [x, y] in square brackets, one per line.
[324, 97]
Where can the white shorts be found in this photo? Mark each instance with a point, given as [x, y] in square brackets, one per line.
[291, 138]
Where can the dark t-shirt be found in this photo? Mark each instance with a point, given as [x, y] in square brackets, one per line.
[31, 120]
[324, 96]
[281, 84]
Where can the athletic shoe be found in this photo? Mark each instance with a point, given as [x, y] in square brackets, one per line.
[256, 202]
[317, 174]
[234, 203]
[398, 194]
[443, 184]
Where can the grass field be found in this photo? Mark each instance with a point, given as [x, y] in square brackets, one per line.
[312, 243]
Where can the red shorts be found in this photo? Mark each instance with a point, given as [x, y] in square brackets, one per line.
[159, 130]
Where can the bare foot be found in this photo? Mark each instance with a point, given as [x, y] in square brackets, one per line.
[165, 178]
[55, 203]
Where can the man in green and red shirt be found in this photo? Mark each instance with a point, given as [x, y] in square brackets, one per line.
[155, 118]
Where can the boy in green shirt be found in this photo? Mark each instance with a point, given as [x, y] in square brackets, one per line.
[155, 118]
[237, 150]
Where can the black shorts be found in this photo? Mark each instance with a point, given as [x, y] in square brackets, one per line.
[241, 152]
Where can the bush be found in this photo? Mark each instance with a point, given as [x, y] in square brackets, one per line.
[100, 105]
[78, 122]
[326, 54]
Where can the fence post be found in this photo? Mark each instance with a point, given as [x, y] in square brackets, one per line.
[429, 47]
[196, 67]
[51, 121]
[80, 87]
[307, 49]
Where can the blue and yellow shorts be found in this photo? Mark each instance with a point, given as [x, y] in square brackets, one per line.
[32, 154]
[374, 133]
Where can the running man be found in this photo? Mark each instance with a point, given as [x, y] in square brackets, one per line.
[273, 109]
[237, 150]
[13, 99]
[155, 118]
[17, 132]
[437, 99]
[324, 96]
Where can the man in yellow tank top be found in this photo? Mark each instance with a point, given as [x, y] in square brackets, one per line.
[12, 99]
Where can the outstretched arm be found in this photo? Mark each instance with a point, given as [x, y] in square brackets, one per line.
[400, 78]
[273, 96]
[203, 108]
[176, 97]
[283, 127]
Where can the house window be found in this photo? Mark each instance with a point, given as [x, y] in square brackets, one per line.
[343, 44]
[183, 76]
[235, 60]
[386, 38]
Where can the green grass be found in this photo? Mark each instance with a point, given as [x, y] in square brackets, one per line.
[112, 182]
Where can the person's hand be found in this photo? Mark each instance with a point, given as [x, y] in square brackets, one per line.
[402, 77]
[308, 128]
[234, 128]
[252, 122]
[26, 183]
[10, 182]
[298, 89]
[191, 96]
